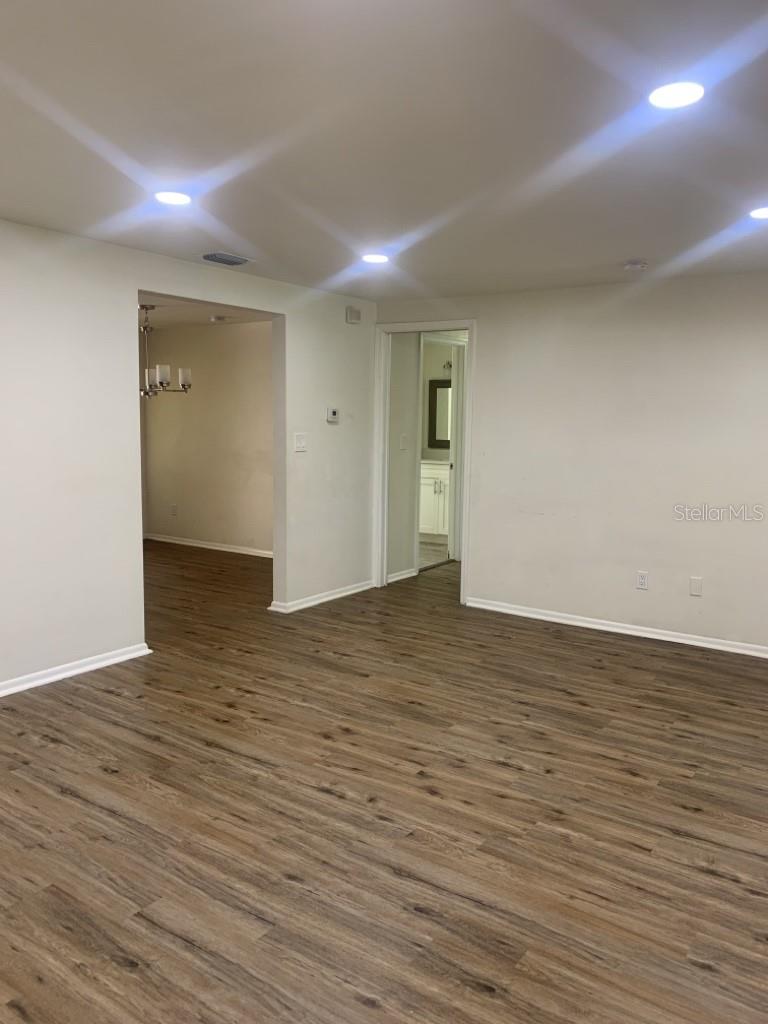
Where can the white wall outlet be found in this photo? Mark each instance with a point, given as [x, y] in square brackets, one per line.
[174, 510]
[299, 442]
[642, 580]
[332, 414]
[696, 586]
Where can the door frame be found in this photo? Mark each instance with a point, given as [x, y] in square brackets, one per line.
[456, 473]
[381, 377]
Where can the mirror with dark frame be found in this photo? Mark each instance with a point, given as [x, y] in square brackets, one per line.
[439, 419]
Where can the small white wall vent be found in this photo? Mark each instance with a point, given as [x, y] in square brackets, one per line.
[354, 316]
[227, 259]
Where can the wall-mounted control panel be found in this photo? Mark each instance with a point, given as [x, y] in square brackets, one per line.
[332, 414]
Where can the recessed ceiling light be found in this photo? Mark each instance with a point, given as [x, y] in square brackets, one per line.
[375, 257]
[676, 94]
[173, 198]
[761, 213]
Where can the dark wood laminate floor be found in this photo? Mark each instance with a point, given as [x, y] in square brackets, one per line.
[433, 549]
[383, 809]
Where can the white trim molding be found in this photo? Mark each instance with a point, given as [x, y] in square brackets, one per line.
[186, 542]
[72, 668]
[380, 455]
[286, 607]
[406, 574]
[607, 626]
[382, 366]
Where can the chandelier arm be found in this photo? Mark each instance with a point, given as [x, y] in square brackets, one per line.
[149, 390]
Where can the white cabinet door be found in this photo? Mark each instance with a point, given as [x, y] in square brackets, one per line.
[428, 505]
[434, 507]
[443, 507]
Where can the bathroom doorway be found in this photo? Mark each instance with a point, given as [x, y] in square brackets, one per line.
[421, 445]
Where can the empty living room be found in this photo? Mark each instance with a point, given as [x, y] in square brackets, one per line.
[383, 628]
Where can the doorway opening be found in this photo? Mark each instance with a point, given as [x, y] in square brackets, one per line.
[441, 376]
[421, 447]
[207, 458]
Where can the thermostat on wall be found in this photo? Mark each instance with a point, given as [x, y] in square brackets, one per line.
[332, 414]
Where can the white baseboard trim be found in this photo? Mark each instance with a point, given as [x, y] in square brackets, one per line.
[607, 626]
[186, 542]
[286, 607]
[72, 668]
[406, 574]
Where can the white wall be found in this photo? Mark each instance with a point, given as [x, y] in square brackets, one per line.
[404, 429]
[209, 453]
[70, 516]
[596, 411]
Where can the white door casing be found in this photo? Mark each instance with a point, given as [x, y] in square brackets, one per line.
[381, 432]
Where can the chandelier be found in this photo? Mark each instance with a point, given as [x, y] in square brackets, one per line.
[157, 379]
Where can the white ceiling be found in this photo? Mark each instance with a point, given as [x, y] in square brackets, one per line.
[171, 311]
[459, 134]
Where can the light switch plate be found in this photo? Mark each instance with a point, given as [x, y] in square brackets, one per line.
[696, 588]
[332, 414]
[403, 442]
[299, 442]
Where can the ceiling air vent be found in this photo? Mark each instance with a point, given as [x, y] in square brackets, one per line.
[227, 259]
